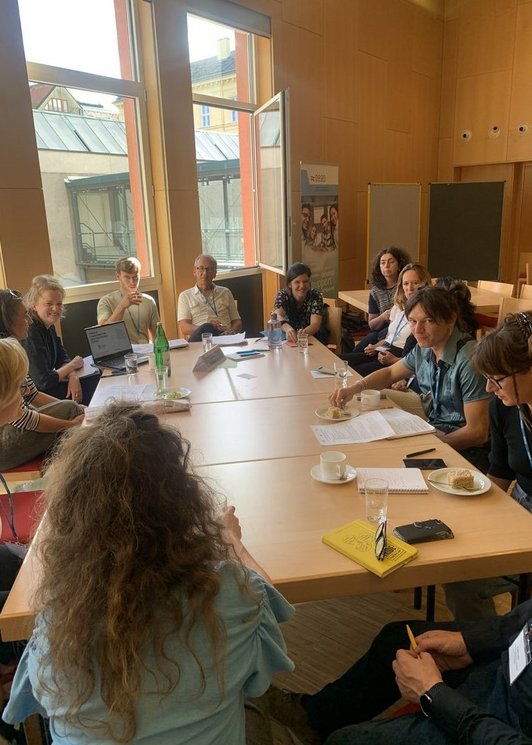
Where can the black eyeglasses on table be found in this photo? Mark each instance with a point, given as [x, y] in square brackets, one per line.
[380, 541]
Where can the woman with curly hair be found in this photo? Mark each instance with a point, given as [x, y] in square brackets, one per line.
[385, 271]
[152, 629]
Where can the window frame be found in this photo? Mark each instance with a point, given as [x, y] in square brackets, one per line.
[136, 91]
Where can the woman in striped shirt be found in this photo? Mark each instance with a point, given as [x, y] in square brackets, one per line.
[43, 418]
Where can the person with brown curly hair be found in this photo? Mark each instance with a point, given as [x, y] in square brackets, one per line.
[155, 622]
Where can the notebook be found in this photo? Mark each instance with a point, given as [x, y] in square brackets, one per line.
[356, 540]
[109, 343]
[400, 480]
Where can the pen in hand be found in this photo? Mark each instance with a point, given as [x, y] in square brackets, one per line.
[413, 643]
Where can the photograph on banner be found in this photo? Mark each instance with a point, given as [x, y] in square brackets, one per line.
[320, 225]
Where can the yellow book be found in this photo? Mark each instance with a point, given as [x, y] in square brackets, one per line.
[356, 540]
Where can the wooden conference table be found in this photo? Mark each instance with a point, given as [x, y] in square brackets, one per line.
[483, 300]
[251, 439]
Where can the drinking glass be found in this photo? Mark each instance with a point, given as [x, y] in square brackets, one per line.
[131, 362]
[207, 341]
[341, 373]
[376, 491]
[302, 341]
[161, 378]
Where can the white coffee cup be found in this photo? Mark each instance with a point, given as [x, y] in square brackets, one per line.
[370, 399]
[333, 465]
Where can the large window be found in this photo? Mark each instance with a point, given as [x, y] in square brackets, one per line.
[222, 65]
[88, 110]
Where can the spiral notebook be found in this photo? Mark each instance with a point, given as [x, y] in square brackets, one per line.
[400, 480]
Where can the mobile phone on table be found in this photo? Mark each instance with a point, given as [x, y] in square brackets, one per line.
[423, 530]
[426, 464]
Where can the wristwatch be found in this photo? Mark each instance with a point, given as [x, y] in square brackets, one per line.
[425, 701]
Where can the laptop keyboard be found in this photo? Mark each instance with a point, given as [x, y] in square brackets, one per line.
[114, 362]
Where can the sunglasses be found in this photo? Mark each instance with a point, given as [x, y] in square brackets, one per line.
[380, 541]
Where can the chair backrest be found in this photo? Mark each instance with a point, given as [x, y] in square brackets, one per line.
[334, 322]
[526, 291]
[525, 257]
[513, 305]
[502, 288]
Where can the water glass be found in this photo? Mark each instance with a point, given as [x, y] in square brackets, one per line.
[151, 361]
[161, 378]
[341, 373]
[131, 362]
[206, 341]
[302, 341]
[376, 500]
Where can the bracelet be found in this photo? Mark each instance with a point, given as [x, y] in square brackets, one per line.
[363, 384]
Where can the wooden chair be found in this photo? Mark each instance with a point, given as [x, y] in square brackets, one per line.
[488, 321]
[525, 270]
[334, 323]
[526, 292]
[513, 305]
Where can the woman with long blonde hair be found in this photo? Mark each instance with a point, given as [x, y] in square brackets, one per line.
[151, 628]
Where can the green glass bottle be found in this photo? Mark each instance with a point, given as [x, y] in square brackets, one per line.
[161, 349]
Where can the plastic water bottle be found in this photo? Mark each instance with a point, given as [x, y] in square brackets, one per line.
[161, 349]
[275, 335]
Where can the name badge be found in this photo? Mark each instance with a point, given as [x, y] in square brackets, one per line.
[519, 653]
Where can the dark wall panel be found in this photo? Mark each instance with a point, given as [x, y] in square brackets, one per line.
[465, 230]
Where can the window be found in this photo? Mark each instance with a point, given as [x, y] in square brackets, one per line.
[89, 138]
[205, 116]
[222, 64]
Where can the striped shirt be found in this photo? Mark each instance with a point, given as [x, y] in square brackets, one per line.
[30, 418]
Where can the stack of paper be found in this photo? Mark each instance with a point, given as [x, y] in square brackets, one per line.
[372, 425]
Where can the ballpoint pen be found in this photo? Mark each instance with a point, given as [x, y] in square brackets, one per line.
[420, 452]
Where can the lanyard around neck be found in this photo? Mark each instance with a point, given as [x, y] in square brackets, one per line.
[137, 323]
[400, 326]
[210, 302]
[525, 440]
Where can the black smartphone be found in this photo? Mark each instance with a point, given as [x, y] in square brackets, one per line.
[424, 530]
[426, 464]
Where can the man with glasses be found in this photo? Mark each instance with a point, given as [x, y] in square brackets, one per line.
[207, 307]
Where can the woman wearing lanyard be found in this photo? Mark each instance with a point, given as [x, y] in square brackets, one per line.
[399, 339]
[441, 362]
[51, 368]
[504, 357]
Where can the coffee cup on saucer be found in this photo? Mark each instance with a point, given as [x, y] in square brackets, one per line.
[333, 465]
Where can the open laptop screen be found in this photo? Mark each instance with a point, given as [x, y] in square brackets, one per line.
[109, 340]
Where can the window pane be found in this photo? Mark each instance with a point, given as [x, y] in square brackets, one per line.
[87, 35]
[219, 60]
[91, 179]
[224, 180]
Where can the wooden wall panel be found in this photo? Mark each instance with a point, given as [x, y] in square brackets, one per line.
[482, 101]
[519, 144]
[340, 56]
[385, 30]
[23, 242]
[308, 15]
[487, 39]
[448, 79]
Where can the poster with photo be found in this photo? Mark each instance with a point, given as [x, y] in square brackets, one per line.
[320, 225]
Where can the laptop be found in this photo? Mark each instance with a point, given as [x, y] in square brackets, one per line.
[108, 344]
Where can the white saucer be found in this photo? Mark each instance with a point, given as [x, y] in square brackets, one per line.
[174, 394]
[480, 481]
[321, 413]
[350, 474]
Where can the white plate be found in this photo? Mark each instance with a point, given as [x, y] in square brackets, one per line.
[174, 394]
[350, 474]
[349, 414]
[481, 482]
